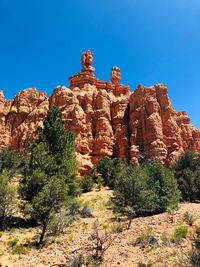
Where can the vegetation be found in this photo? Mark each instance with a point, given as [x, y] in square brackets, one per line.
[146, 239]
[7, 198]
[49, 176]
[87, 183]
[48, 189]
[179, 233]
[189, 218]
[9, 161]
[148, 190]
[109, 170]
[187, 172]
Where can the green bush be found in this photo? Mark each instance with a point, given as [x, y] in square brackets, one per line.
[7, 199]
[179, 233]
[116, 228]
[13, 242]
[87, 211]
[1, 234]
[146, 239]
[147, 190]
[87, 183]
[165, 238]
[19, 249]
[159, 189]
[109, 170]
[189, 218]
[186, 169]
[10, 161]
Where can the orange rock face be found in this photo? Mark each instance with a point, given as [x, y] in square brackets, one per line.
[106, 119]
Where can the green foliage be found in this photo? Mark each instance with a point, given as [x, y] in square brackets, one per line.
[9, 161]
[179, 233]
[86, 211]
[189, 218]
[74, 206]
[147, 190]
[49, 176]
[1, 234]
[159, 189]
[13, 242]
[7, 198]
[126, 187]
[187, 172]
[109, 170]
[130, 212]
[165, 238]
[12, 230]
[87, 183]
[19, 249]
[116, 228]
[146, 239]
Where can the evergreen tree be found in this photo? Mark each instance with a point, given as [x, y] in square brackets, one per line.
[49, 177]
[9, 161]
[109, 170]
[7, 198]
[187, 172]
[147, 190]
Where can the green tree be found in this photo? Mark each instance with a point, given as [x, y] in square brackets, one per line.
[87, 183]
[186, 169]
[159, 189]
[126, 187]
[147, 190]
[109, 170]
[7, 198]
[49, 177]
[9, 161]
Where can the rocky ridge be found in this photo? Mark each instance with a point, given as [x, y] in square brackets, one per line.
[106, 118]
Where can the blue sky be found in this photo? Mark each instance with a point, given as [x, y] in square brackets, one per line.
[152, 41]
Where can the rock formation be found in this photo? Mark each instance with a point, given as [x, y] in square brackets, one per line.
[106, 118]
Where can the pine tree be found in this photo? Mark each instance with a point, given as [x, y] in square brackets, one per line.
[49, 178]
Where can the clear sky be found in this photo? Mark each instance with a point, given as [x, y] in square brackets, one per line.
[152, 41]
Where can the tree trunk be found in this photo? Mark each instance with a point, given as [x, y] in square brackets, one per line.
[43, 232]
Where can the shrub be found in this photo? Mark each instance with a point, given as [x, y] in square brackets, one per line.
[1, 234]
[12, 243]
[87, 211]
[179, 233]
[59, 221]
[87, 183]
[159, 189]
[19, 249]
[116, 228]
[76, 261]
[9, 161]
[148, 191]
[165, 238]
[186, 169]
[109, 170]
[189, 218]
[74, 207]
[7, 198]
[146, 239]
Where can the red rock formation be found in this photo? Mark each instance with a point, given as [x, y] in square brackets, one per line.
[105, 117]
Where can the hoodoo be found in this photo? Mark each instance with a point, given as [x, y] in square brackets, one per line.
[106, 118]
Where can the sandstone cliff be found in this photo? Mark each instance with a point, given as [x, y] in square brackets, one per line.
[106, 118]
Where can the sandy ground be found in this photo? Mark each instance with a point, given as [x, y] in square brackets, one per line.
[121, 253]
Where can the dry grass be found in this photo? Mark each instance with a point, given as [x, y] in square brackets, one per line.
[121, 252]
